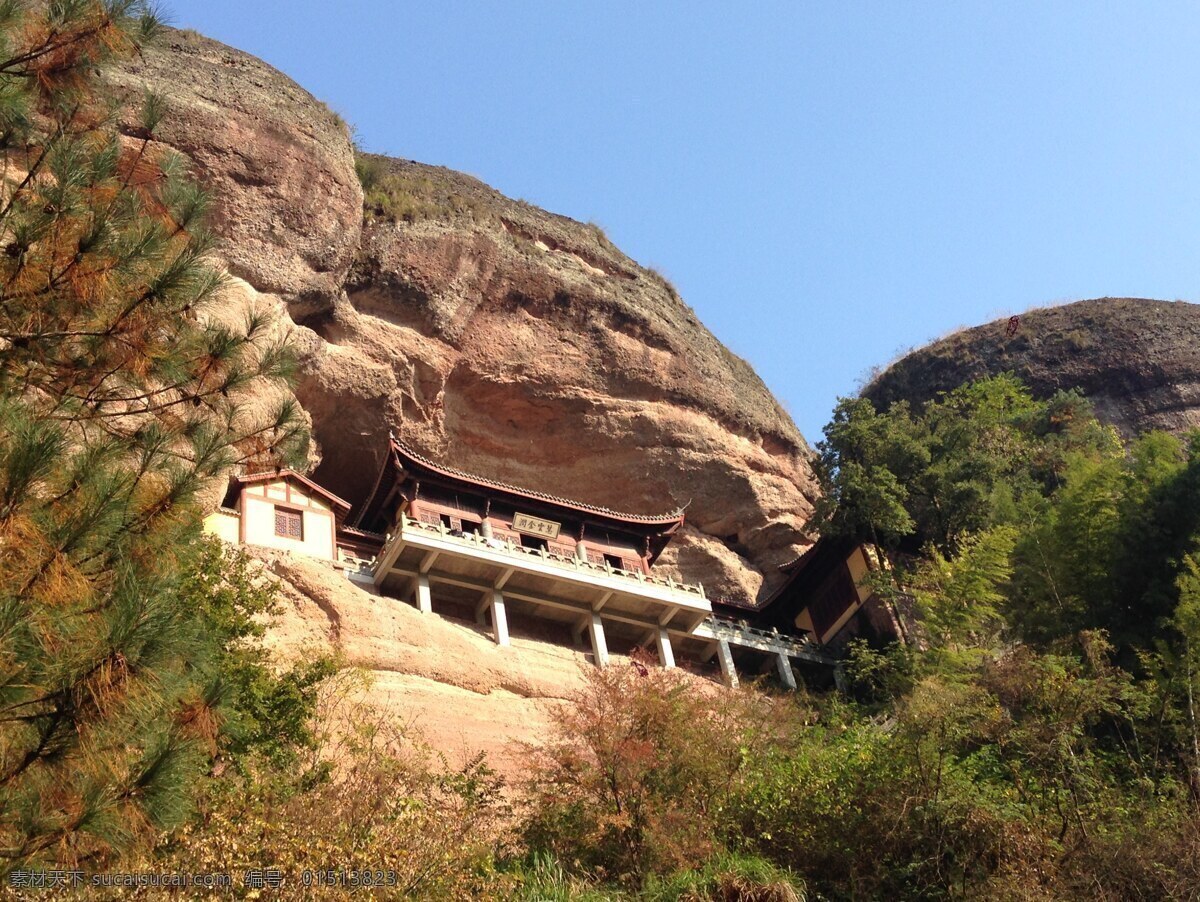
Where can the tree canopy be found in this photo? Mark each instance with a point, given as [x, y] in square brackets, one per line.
[122, 395]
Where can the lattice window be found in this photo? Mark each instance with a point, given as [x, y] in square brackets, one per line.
[289, 524]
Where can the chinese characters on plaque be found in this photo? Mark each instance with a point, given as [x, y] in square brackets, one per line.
[544, 529]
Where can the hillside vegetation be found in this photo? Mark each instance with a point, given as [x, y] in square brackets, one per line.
[1037, 739]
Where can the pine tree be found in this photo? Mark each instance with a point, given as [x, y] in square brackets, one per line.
[122, 394]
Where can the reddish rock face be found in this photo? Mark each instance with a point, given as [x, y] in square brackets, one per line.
[1136, 359]
[288, 205]
[486, 332]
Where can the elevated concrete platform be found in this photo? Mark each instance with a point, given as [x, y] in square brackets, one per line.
[491, 576]
[500, 580]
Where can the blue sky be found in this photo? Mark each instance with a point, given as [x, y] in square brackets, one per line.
[826, 184]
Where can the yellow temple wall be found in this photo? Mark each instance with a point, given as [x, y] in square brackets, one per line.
[225, 525]
[860, 568]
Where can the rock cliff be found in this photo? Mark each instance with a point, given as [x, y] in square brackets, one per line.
[1138, 360]
[513, 342]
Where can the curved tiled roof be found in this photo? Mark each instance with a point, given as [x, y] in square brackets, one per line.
[788, 566]
[362, 533]
[674, 518]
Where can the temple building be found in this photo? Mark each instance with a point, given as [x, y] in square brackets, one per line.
[280, 509]
[470, 546]
[509, 558]
[829, 596]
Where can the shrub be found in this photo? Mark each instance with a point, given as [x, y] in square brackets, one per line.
[540, 877]
[636, 776]
[266, 710]
[728, 878]
[395, 196]
[388, 804]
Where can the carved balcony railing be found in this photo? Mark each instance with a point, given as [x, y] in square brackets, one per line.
[567, 562]
[742, 633]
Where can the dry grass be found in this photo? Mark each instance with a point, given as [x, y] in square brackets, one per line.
[372, 798]
[393, 193]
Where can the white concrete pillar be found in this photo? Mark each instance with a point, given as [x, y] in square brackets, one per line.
[424, 598]
[785, 671]
[666, 654]
[599, 645]
[499, 618]
[725, 657]
[485, 529]
[581, 551]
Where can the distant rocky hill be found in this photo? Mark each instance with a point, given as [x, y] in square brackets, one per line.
[1137, 359]
[510, 341]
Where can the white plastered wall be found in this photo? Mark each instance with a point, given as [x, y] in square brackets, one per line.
[258, 519]
[225, 525]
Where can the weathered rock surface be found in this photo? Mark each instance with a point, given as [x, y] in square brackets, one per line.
[1138, 360]
[510, 341]
[524, 346]
[278, 162]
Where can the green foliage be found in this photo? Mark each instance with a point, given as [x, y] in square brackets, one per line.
[1160, 524]
[1174, 668]
[982, 455]
[121, 396]
[859, 459]
[1003, 784]
[879, 675]
[727, 877]
[1016, 774]
[1041, 741]
[268, 710]
[959, 600]
[1107, 551]
[540, 877]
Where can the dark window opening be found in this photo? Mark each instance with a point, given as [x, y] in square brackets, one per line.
[533, 542]
[289, 524]
[458, 526]
[614, 561]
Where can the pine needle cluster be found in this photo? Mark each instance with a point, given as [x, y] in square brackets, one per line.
[123, 392]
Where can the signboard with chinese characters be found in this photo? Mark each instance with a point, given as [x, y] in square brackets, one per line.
[532, 526]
